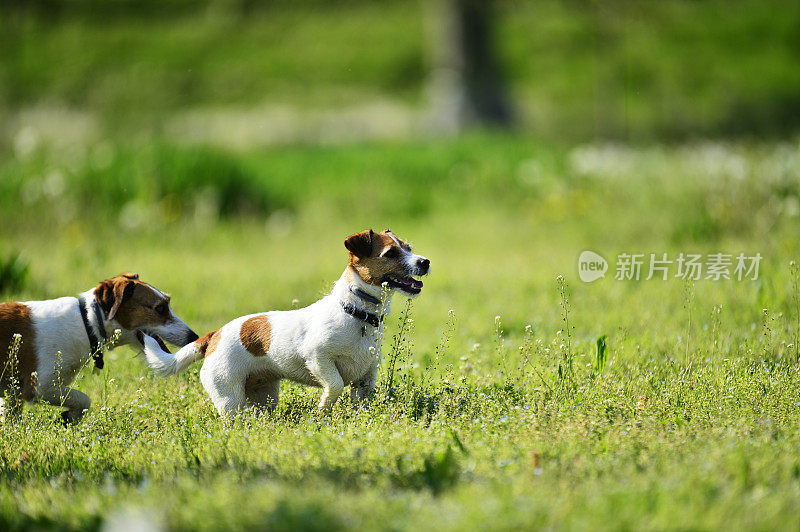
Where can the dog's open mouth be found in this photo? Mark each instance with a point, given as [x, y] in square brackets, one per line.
[140, 336]
[405, 283]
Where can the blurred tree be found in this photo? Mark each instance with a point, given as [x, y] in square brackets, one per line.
[466, 85]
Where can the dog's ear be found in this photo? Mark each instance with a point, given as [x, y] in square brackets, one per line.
[360, 244]
[129, 275]
[112, 293]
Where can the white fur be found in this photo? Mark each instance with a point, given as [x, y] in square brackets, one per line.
[58, 328]
[409, 258]
[162, 363]
[319, 345]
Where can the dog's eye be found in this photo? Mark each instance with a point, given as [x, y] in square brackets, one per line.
[391, 253]
[162, 308]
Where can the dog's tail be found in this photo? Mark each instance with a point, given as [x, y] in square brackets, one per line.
[164, 363]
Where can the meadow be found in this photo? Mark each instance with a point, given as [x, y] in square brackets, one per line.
[512, 394]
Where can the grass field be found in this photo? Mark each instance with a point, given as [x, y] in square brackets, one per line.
[501, 413]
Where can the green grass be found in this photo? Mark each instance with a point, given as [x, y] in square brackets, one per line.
[690, 423]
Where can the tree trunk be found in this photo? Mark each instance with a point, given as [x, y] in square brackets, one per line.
[467, 88]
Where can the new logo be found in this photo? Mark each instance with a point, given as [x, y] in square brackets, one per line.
[591, 266]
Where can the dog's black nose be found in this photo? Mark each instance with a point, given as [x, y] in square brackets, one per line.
[423, 264]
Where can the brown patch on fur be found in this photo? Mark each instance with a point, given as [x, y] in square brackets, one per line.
[133, 303]
[370, 264]
[207, 343]
[256, 335]
[360, 244]
[15, 318]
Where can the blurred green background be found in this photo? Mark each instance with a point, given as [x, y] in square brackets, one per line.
[576, 70]
[114, 102]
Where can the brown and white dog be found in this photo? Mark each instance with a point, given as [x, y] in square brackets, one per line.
[331, 343]
[75, 327]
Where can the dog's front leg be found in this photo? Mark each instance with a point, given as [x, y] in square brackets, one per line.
[76, 402]
[326, 373]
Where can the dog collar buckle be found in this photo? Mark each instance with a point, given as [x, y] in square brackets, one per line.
[368, 317]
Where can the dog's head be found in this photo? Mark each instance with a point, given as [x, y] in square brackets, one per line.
[138, 306]
[384, 258]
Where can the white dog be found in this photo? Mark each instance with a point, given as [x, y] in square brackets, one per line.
[77, 327]
[331, 343]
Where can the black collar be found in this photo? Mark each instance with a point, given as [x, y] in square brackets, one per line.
[95, 347]
[365, 296]
[372, 319]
